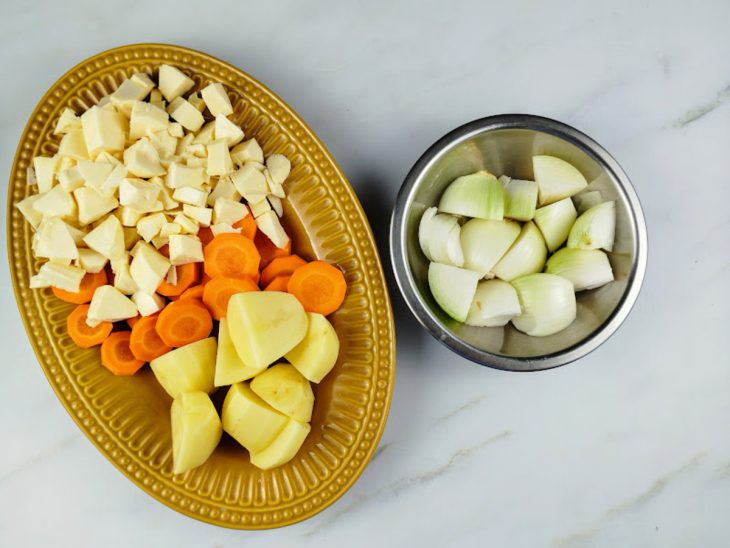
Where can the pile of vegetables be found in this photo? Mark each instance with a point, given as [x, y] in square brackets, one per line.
[161, 223]
[505, 249]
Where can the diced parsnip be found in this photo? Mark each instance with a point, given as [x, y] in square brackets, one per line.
[142, 159]
[228, 211]
[94, 173]
[108, 158]
[67, 122]
[224, 188]
[130, 237]
[168, 202]
[184, 142]
[248, 151]
[55, 241]
[216, 99]
[188, 225]
[148, 304]
[173, 83]
[202, 215]
[197, 101]
[53, 274]
[45, 172]
[104, 130]
[190, 195]
[175, 130]
[129, 92]
[70, 179]
[111, 184]
[275, 189]
[76, 233]
[180, 176]
[269, 224]
[227, 130]
[223, 228]
[276, 205]
[93, 205]
[279, 167]
[73, 146]
[123, 280]
[204, 136]
[109, 305]
[165, 144]
[260, 207]
[186, 114]
[138, 194]
[160, 241]
[147, 119]
[150, 226]
[250, 183]
[219, 159]
[185, 249]
[25, 206]
[198, 150]
[107, 238]
[91, 261]
[170, 228]
[149, 267]
[129, 217]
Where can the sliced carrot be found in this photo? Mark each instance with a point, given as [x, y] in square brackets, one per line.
[183, 322]
[145, 343]
[278, 284]
[282, 266]
[83, 335]
[165, 250]
[205, 235]
[132, 321]
[116, 355]
[247, 226]
[195, 292]
[319, 286]
[205, 278]
[268, 250]
[219, 290]
[231, 255]
[89, 283]
[187, 275]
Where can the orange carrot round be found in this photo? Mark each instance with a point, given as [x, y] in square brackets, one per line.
[83, 335]
[145, 343]
[268, 250]
[231, 255]
[132, 321]
[219, 290]
[183, 322]
[278, 284]
[247, 226]
[205, 235]
[116, 355]
[89, 283]
[187, 275]
[282, 266]
[319, 286]
[195, 292]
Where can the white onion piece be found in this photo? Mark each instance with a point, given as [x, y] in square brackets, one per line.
[586, 200]
[595, 229]
[477, 195]
[495, 303]
[520, 199]
[453, 247]
[585, 268]
[548, 304]
[526, 256]
[554, 221]
[444, 244]
[453, 288]
[556, 179]
[423, 229]
[485, 242]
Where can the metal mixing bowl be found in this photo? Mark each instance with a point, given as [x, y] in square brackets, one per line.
[505, 144]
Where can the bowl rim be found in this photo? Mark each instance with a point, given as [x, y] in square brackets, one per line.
[406, 282]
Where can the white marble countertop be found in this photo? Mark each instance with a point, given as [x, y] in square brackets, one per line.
[628, 447]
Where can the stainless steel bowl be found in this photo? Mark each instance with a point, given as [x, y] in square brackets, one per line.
[506, 144]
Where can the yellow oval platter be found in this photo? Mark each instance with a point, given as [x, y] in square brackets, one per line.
[127, 418]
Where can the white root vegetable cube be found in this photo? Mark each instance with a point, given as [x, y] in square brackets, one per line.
[129, 92]
[138, 194]
[149, 267]
[188, 368]
[67, 122]
[250, 420]
[93, 205]
[55, 241]
[104, 130]
[147, 119]
[202, 215]
[70, 179]
[142, 159]
[250, 183]
[275, 189]
[175, 130]
[190, 195]
[228, 211]
[188, 225]
[165, 144]
[53, 274]
[269, 224]
[216, 99]
[197, 101]
[25, 206]
[248, 151]
[94, 173]
[259, 208]
[91, 261]
[279, 167]
[186, 114]
[73, 145]
[45, 172]
[224, 188]
[111, 184]
[170, 228]
[316, 354]
[284, 447]
[150, 226]
[173, 83]
[196, 430]
[180, 176]
[147, 303]
[129, 217]
[276, 205]
[185, 249]
[219, 159]
[223, 228]
[57, 202]
[205, 135]
[123, 280]
[107, 238]
[227, 130]
[109, 305]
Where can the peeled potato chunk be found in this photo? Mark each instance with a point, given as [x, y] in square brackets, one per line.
[196, 430]
[229, 367]
[188, 368]
[250, 420]
[286, 390]
[316, 354]
[283, 448]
